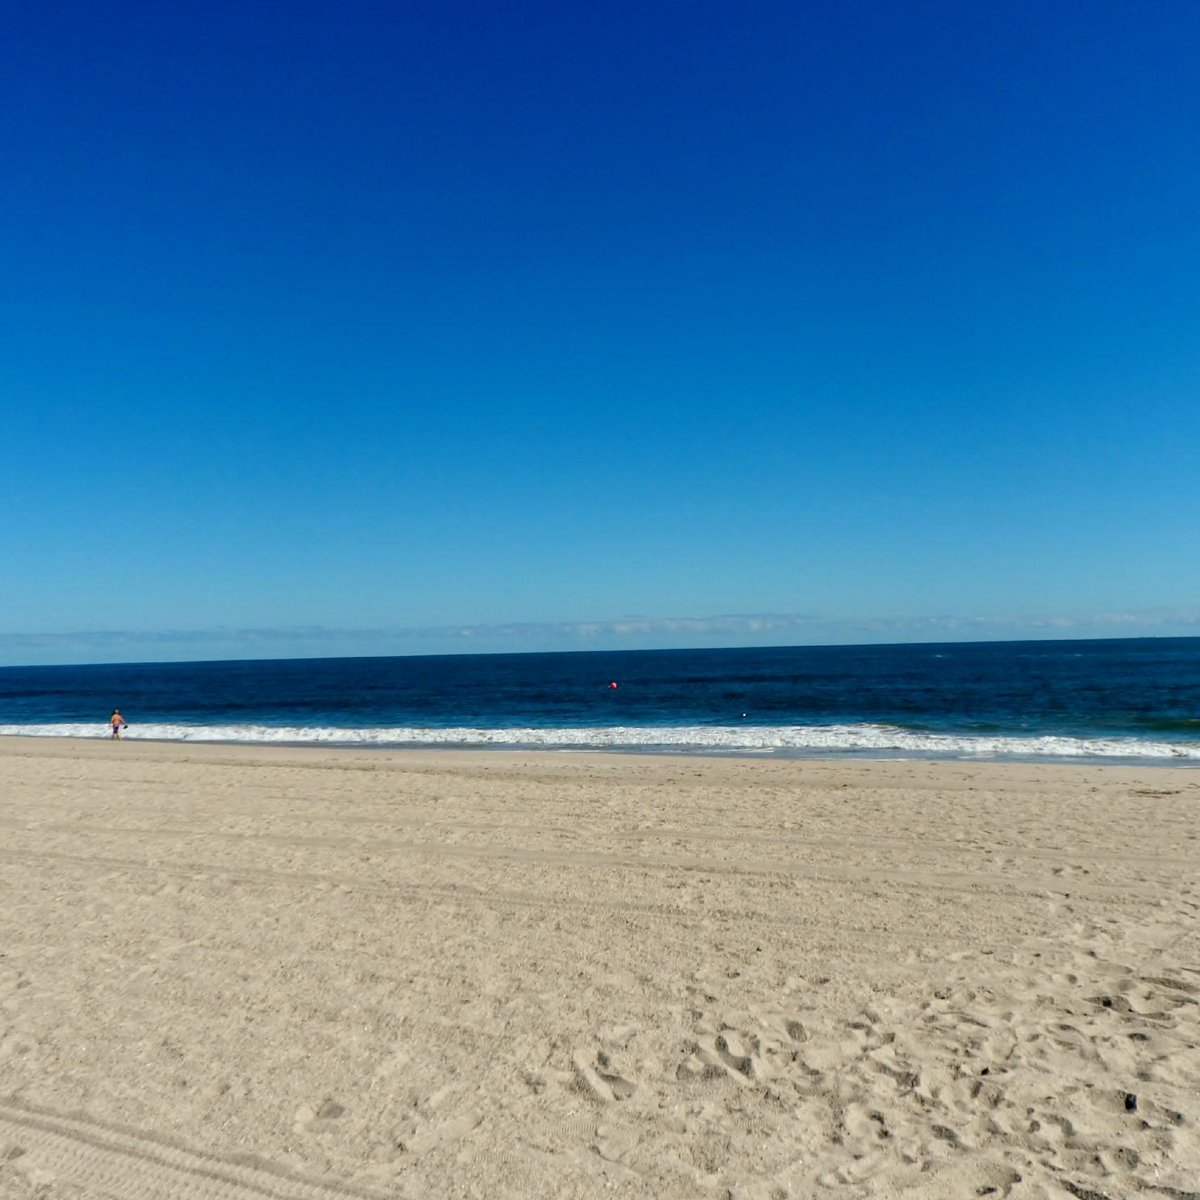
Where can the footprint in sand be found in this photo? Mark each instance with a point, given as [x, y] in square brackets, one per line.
[318, 1118]
[436, 1120]
[597, 1077]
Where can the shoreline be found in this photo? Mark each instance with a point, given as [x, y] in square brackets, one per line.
[744, 755]
[322, 971]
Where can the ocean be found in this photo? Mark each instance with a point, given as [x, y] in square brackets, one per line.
[1135, 700]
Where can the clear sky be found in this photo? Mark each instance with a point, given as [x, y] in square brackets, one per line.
[377, 328]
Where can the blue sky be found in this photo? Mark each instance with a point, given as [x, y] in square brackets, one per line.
[388, 328]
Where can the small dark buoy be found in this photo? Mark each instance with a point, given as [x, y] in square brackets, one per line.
[1130, 1102]
[612, 685]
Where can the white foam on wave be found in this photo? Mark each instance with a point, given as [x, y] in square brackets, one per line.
[728, 739]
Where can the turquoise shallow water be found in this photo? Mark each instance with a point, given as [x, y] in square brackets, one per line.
[1120, 699]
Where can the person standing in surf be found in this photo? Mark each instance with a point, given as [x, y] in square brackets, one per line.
[116, 723]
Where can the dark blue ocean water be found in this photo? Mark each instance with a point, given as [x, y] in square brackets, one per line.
[1121, 699]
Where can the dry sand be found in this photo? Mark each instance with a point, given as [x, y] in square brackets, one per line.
[232, 973]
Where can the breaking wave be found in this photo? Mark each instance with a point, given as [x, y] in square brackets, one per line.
[791, 740]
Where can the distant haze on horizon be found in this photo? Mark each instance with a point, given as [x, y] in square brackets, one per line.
[414, 329]
[729, 632]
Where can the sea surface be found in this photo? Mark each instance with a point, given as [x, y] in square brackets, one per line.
[1132, 700]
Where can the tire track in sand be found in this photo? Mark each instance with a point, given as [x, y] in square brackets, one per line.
[138, 1164]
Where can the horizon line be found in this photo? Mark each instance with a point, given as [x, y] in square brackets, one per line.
[471, 653]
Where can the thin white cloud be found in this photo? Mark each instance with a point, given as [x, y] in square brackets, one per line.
[633, 632]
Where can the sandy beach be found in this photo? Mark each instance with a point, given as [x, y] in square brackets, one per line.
[234, 972]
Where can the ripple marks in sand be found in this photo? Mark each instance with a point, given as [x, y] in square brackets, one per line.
[45, 1148]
